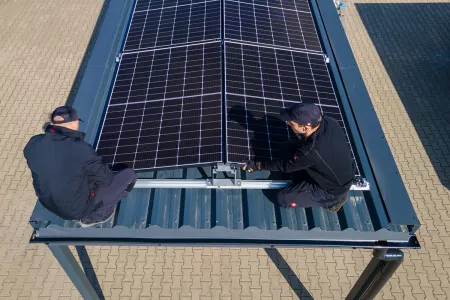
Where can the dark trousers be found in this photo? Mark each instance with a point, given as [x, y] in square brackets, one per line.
[107, 197]
[303, 192]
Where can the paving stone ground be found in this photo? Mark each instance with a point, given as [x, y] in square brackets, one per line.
[403, 50]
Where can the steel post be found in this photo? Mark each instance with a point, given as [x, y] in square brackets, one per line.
[68, 262]
[380, 269]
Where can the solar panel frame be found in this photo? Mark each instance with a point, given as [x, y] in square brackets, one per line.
[129, 150]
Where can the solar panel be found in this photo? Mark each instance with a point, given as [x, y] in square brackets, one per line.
[168, 73]
[175, 24]
[143, 5]
[271, 25]
[259, 82]
[277, 74]
[165, 109]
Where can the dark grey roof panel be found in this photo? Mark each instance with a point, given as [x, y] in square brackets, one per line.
[228, 209]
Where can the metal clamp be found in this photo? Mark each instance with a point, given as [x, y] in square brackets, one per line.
[360, 183]
[220, 182]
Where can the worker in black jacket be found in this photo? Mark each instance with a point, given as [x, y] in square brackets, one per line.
[321, 164]
[69, 177]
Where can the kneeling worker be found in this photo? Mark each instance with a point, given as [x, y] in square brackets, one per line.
[322, 166]
[69, 177]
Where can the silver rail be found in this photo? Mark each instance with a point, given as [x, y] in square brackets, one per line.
[224, 184]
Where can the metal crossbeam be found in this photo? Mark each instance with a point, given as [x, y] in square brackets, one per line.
[225, 184]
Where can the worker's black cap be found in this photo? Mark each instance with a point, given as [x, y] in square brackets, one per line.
[306, 114]
[68, 114]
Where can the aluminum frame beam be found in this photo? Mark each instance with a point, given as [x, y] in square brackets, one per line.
[221, 184]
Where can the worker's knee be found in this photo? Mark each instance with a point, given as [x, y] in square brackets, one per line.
[127, 178]
[295, 196]
[129, 175]
[281, 199]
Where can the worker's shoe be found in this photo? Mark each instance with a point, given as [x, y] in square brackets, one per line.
[88, 222]
[338, 205]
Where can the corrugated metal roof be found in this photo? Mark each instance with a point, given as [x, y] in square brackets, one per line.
[219, 216]
[147, 213]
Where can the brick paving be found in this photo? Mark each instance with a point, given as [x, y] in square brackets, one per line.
[403, 51]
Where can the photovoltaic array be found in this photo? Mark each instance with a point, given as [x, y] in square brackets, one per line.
[167, 107]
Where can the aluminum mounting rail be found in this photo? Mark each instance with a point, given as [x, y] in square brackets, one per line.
[361, 184]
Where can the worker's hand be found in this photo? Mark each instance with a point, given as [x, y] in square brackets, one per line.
[252, 166]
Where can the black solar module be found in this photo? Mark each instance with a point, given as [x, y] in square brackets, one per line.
[143, 5]
[168, 73]
[275, 26]
[300, 5]
[173, 25]
[277, 74]
[165, 109]
[259, 82]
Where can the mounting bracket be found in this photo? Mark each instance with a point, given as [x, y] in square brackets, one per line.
[360, 184]
[220, 182]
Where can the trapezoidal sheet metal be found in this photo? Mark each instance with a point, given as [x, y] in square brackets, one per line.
[165, 109]
[259, 82]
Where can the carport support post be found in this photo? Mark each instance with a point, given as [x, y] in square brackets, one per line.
[380, 269]
[68, 262]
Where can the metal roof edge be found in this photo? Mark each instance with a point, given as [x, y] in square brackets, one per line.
[198, 237]
[96, 83]
[395, 197]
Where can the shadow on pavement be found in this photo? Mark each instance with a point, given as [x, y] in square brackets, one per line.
[285, 270]
[89, 270]
[413, 42]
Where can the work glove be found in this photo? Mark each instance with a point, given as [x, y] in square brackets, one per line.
[252, 166]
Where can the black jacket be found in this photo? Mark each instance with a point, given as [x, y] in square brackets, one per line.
[65, 170]
[325, 156]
